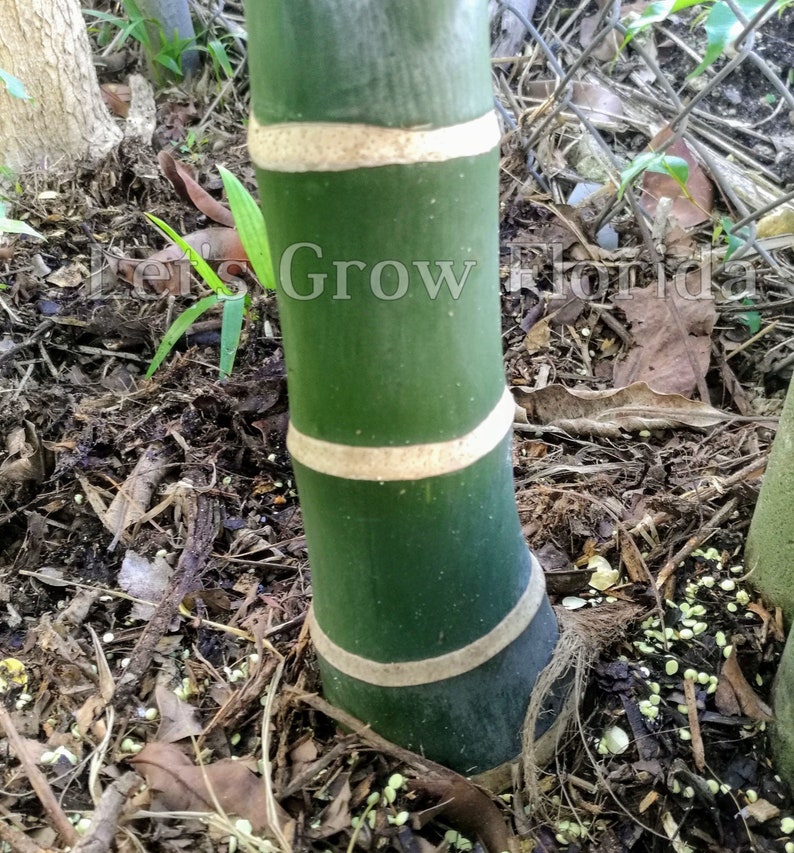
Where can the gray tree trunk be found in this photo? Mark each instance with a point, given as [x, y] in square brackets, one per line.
[45, 44]
[174, 17]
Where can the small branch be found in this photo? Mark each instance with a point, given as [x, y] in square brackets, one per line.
[38, 780]
[104, 822]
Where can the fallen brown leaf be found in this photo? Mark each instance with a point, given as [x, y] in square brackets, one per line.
[607, 413]
[749, 702]
[182, 176]
[179, 785]
[662, 357]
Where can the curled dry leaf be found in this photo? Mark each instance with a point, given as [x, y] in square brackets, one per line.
[132, 499]
[607, 413]
[168, 271]
[26, 458]
[179, 785]
[183, 178]
[749, 702]
[601, 106]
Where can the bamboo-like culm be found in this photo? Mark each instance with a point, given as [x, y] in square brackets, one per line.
[376, 147]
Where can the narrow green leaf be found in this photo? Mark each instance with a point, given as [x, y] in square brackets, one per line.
[231, 327]
[178, 328]
[736, 238]
[218, 53]
[16, 226]
[251, 227]
[208, 275]
[168, 61]
[15, 87]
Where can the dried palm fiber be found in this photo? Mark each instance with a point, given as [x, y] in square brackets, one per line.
[584, 636]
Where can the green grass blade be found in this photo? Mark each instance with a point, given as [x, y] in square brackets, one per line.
[231, 327]
[178, 328]
[16, 226]
[251, 228]
[208, 275]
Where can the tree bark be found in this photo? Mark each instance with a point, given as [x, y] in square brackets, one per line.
[377, 151]
[45, 44]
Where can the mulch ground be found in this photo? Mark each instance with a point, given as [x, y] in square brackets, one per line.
[154, 579]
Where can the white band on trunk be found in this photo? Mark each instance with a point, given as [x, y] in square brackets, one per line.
[338, 147]
[430, 670]
[411, 462]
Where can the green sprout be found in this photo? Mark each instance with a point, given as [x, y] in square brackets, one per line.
[253, 235]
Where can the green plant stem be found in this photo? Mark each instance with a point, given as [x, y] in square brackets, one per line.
[413, 564]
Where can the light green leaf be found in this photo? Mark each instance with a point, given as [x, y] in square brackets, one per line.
[219, 56]
[654, 161]
[15, 87]
[736, 238]
[231, 326]
[250, 226]
[16, 226]
[178, 328]
[655, 12]
[723, 28]
[208, 275]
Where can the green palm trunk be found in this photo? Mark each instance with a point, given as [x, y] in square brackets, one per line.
[377, 158]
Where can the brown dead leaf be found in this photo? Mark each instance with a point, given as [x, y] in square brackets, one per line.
[661, 358]
[132, 499]
[117, 98]
[178, 719]
[182, 176]
[467, 807]
[690, 208]
[610, 44]
[335, 817]
[179, 785]
[607, 413]
[601, 106]
[26, 457]
[749, 702]
[538, 337]
[632, 558]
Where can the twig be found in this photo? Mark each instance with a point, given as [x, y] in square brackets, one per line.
[16, 839]
[37, 333]
[669, 568]
[37, 779]
[104, 822]
[698, 752]
[199, 510]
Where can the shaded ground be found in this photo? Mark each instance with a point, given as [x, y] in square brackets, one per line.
[116, 491]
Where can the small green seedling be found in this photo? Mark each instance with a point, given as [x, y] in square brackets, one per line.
[253, 235]
[164, 51]
[735, 237]
[721, 23]
[655, 161]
